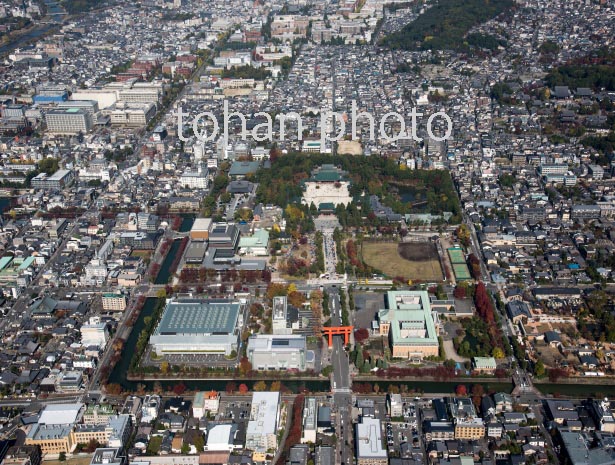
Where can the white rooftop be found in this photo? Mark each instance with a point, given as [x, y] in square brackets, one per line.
[219, 437]
[264, 414]
[369, 439]
[60, 414]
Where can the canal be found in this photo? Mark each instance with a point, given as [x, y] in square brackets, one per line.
[118, 375]
[187, 223]
[51, 21]
[5, 203]
[165, 269]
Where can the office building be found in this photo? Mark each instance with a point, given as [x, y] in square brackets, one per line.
[395, 405]
[309, 421]
[468, 425]
[90, 106]
[58, 180]
[114, 302]
[200, 229]
[279, 316]
[22, 455]
[205, 402]
[109, 456]
[261, 434]
[52, 439]
[68, 121]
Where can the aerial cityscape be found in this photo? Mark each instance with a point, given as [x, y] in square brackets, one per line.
[307, 232]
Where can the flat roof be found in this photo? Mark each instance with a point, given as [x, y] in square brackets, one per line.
[198, 316]
[60, 414]
[369, 439]
[271, 342]
[201, 224]
[264, 413]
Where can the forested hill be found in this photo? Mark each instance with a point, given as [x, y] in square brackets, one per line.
[444, 26]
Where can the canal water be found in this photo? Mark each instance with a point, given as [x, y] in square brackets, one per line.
[187, 222]
[5, 203]
[54, 17]
[118, 375]
[164, 273]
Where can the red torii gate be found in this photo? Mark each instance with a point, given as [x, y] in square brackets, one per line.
[333, 330]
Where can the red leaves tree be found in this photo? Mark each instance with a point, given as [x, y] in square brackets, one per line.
[460, 292]
[294, 434]
[361, 335]
[474, 265]
[461, 390]
[230, 387]
[179, 388]
[486, 311]
[243, 389]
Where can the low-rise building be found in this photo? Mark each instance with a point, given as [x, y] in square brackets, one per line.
[369, 447]
[273, 352]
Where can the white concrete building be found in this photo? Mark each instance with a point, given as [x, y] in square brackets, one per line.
[263, 425]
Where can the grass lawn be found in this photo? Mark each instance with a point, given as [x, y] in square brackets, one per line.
[385, 257]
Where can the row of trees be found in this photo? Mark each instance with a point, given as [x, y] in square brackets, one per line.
[201, 275]
[294, 434]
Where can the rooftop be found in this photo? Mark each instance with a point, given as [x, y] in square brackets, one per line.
[196, 316]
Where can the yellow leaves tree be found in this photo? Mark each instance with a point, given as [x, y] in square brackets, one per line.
[296, 299]
[294, 213]
[463, 234]
[164, 367]
[276, 289]
[276, 386]
[260, 386]
[498, 353]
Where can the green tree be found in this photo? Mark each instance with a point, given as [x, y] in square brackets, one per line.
[359, 360]
[199, 443]
[539, 369]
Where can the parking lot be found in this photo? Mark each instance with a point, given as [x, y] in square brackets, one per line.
[402, 437]
[190, 360]
[367, 305]
[237, 412]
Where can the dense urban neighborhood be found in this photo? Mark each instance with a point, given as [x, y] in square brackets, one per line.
[307, 232]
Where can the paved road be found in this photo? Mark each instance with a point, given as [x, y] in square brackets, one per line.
[341, 388]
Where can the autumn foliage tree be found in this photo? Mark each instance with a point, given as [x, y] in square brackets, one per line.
[179, 389]
[461, 390]
[460, 292]
[361, 335]
[486, 311]
[243, 389]
[474, 265]
[113, 389]
[230, 387]
[294, 433]
[245, 366]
